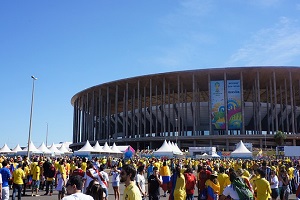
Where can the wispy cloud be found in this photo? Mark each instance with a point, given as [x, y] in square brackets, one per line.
[278, 45]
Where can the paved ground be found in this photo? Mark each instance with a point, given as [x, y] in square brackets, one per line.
[111, 195]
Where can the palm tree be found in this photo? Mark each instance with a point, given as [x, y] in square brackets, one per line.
[279, 138]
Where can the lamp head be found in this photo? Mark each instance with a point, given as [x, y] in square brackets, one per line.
[34, 78]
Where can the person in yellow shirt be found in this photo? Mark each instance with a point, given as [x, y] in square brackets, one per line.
[223, 179]
[18, 176]
[131, 191]
[27, 176]
[83, 164]
[36, 172]
[262, 186]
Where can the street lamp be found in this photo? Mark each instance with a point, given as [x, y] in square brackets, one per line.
[31, 109]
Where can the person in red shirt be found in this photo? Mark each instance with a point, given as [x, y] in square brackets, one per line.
[203, 176]
[190, 182]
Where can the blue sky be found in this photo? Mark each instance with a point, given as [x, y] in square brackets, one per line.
[71, 45]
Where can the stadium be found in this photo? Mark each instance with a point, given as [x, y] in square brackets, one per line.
[205, 107]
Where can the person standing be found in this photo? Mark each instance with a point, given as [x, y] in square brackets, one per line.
[190, 183]
[141, 182]
[165, 173]
[36, 179]
[104, 178]
[274, 185]
[154, 183]
[285, 180]
[50, 179]
[213, 186]
[262, 186]
[73, 187]
[115, 181]
[6, 177]
[177, 185]
[18, 176]
[203, 176]
[131, 191]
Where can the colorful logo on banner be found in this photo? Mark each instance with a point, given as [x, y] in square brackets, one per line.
[234, 111]
[217, 104]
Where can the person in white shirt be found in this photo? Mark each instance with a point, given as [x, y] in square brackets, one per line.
[104, 177]
[73, 187]
[141, 182]
[91, 174]
[274, 185]
[115, 181]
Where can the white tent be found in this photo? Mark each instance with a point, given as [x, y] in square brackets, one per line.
[97, 147]
[5, 149]
[106, 148]
[164, 150]
[54, 150]
[241, 151]
[17, 149]
[64, 149]
[86, 150]
[215, 155]
[115, 149]
[32, 149]
[44, 149]
[177, 150]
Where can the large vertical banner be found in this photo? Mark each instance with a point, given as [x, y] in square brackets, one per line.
[217, 104]
[234, 111]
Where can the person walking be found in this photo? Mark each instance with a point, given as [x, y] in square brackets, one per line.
[115, 181]
[190, 183]
[177, 185]
[141, 182]
[154, 183]
[274, 184]
[262, 186]
[131, 191]
[165, 173]
[18, 176]
[6, 177]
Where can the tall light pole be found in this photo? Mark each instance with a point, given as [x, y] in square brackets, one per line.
[47, 135]
[31, 110]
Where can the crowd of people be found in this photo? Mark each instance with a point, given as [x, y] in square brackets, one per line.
[175, 178]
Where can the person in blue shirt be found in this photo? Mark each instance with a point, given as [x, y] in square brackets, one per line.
[149, 170]
[6, 177]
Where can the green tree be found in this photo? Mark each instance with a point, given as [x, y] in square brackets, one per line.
[279, 138]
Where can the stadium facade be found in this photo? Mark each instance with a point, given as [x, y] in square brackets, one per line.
[205, 107]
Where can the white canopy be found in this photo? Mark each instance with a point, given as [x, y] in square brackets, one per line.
[87, 147]
[164, 150]
[97, 147]
[44, 149]
[54, 150]
[5, 149]
[32, 148]
[17, 149]
[64, 149]
[115, 149]
[241, 151]
[176, 149]
[106, 148]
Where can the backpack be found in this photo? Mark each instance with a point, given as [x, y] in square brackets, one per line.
[244, 192]
[52, 170]
[189, 181]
